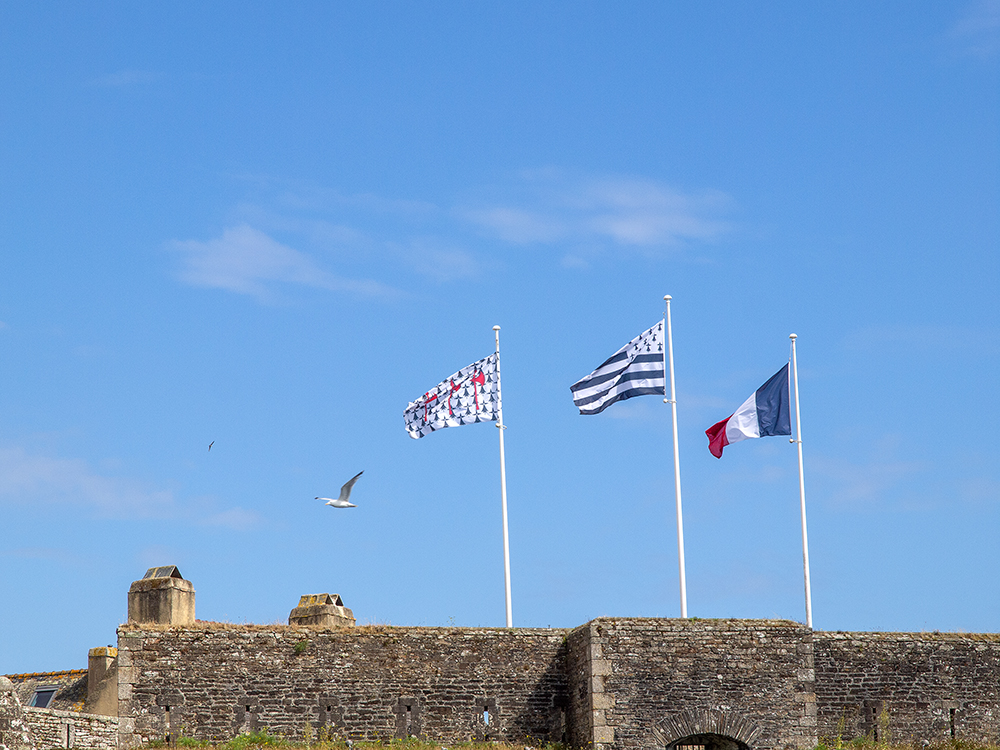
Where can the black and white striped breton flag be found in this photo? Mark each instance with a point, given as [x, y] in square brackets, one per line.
[470, 395]
[634, 370]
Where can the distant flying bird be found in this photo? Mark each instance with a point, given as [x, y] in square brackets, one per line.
[345, 493]
[211, 444]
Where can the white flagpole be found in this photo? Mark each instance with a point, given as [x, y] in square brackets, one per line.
[802, 486]
[677, 460]
[503, 486]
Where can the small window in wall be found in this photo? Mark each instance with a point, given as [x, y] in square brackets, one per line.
[42, 697]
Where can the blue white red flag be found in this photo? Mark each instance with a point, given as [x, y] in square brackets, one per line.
[470, 395]
[764, 414]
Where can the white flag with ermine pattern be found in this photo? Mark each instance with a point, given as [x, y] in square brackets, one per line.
[470, 395]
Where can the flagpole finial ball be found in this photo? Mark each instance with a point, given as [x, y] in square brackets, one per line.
[792, 336]
[496, 328]
[667, 297]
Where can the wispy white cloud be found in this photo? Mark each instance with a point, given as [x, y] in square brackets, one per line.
[977, 32]
[520, 225]
[123, 78]
[27, 478]
[631, 212]
[865, 482]
[439, 261]
[248, 261]
[578, 216]
[543, 206]
[402, 234]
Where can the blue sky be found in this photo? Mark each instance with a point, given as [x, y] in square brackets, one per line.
[273, 227]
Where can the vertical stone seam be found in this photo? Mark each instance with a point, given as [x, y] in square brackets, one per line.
[126, 680]
[808, 723]
[601, 733]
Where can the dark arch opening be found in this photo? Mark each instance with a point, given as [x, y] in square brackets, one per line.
[707, 741]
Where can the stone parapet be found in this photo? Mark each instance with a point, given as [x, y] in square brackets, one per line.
[70, 729]
[360, 683]
[161, 597]
[322, 611]
[908, 687]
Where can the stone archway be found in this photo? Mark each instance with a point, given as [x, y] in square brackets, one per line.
[713, 729]
[707, 741]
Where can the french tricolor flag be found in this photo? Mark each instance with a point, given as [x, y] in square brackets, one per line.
[765, 413]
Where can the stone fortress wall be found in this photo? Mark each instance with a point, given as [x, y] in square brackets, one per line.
[652, 682]
[52, 728]
[908, 687]
[614, 683]
[611, 684]
[451, 684]
[27, 728]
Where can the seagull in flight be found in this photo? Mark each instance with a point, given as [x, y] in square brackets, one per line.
[345, 494]
[211, 444]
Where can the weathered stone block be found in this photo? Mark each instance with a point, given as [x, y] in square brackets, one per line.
[600, 667]
[321, 611]
[604, 735]
[14, 731]
[602, 701]
[161, 597]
